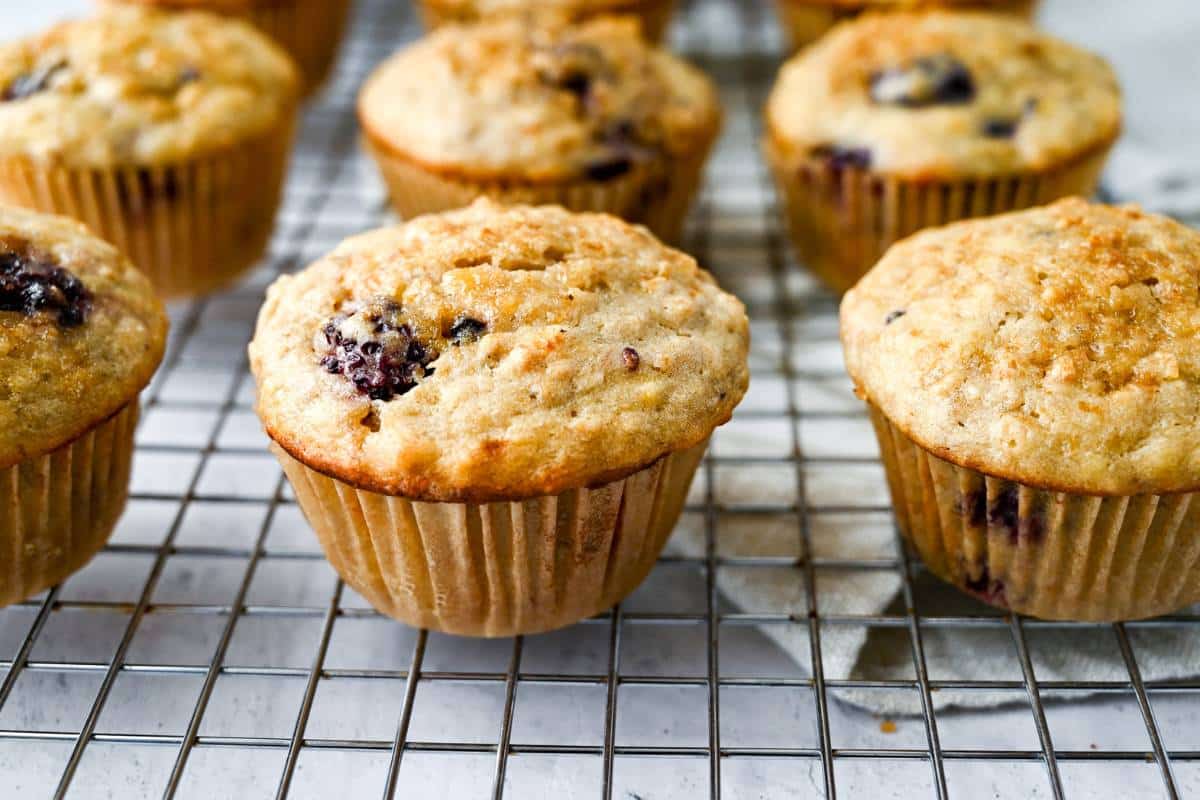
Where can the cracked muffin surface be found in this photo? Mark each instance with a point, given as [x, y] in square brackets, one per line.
[132, 85]
[944, 95]
[1058, 347]
[538, 102]
[81, 332]
[497, 353]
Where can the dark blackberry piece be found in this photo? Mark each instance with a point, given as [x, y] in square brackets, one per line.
[573, 67]
[1004, 510]
[986, 588]
[376, 350]
[30, 284]
[631, 359]
[893, 316]
[936, 80]
[839, 157]
[188, 75]
[1000, 128]
[466, 330]
[973, 506]
[608, 167]
[30, 83]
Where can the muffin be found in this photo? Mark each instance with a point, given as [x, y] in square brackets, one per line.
[589, 117]
[491, 416]
[1034, 379]
[81, 333]
[899, 122]
[654, 15]
[805, 21]
[167, 133]
[310, 30]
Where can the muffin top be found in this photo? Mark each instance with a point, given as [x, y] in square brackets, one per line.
[489, 7]
[81, 332]
[143, 87]
[545, 101]
[496, 353]
[1058, 347]
[943, 94]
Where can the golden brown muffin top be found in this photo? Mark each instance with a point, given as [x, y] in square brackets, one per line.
[538, 102]
[137, 86]
[497, 353]
[81, 332]
[943, 95]
[1058, 347]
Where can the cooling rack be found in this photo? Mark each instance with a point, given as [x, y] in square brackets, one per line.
[210, 652]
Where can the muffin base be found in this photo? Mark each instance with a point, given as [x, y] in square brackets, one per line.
[58, 510]
[842, 220]
[655, 15]
[1049, 554]
[192, 226]
[657, 196]
[496, 569]
[805, 21]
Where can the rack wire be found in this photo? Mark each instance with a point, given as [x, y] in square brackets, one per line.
[210, 652]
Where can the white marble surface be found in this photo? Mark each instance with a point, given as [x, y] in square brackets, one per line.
[1153, 45]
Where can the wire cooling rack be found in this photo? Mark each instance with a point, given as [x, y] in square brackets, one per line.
[210, 651]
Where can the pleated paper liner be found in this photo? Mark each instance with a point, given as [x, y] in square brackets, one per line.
[805, 21]
[657, 196]
[192, 227]
[843, 219]
[58, 510]
[1049, 554]
[655, 15]
[310, 30]
[496, 569]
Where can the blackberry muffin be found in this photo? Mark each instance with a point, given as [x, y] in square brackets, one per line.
[806, 21]
[1034, 379]
[491, 416]
[654, 15]
[167, 133]
[899, 122]
[81, 333]
[589, 117]
[309, 30]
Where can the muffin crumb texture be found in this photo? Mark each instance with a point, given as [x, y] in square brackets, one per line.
[497, 353]
[80, 332]
[132, 85]
[944, 94]
[1058, 347]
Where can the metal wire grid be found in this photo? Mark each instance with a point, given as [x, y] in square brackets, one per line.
[201, 463]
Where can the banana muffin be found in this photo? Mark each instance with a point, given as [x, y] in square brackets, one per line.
[167, 133]
[81, 333]
[898, 122]
[806, 21]
[310, 30]
[1034, 379]
[655, 15]
[589, 117]
[491, 416]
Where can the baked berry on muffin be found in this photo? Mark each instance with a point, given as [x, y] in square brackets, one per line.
[897, 122]
[589, 117]
[806, 21]
[167, 133]
[1034, 381]
[491, 416]
[309, 30]
[654, 15]
[81, 333]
